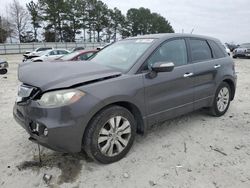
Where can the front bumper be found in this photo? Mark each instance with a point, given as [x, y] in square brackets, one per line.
[65, 125]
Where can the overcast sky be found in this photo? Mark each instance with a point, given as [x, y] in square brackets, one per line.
[227, 20]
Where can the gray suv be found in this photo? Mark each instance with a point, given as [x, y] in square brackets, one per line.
[100, 105]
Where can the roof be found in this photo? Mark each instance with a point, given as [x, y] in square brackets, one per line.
[171, 35]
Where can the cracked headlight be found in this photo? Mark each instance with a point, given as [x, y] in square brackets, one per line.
[60, 98]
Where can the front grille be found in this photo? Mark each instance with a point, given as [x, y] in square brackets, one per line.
[25, 93]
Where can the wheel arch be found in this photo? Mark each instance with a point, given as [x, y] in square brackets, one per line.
[134, 109]
[231, 83]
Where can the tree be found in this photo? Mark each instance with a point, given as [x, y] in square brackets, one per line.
[72, 20]
[4, 29]
[53, 12]
[83, 17]
[141, 21]
[33, 9]
[160, 24]
[117, 21]
[19, 18]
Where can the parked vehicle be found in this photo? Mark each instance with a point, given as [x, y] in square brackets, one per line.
[50, 55]
[77, 49]
[100, 105]
[3, 66]
[232, 47]
[242, 51]
[36, 53]
[227, 50]
[78, 55]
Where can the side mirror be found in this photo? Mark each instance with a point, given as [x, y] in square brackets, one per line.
[162, 67]
[3, 71]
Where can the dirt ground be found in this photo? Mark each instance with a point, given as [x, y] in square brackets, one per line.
[195, 150]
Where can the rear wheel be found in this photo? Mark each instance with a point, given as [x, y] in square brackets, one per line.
[222, 100]
[110, 135]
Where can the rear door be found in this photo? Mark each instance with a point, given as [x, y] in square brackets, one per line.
[170, 94]
[204, 71]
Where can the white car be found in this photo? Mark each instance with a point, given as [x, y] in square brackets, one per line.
[227, 50]
[50, 55]
[35, 53]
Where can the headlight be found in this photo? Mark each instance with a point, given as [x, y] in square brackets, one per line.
[60, 98]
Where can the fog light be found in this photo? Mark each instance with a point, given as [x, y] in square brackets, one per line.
[45, 132]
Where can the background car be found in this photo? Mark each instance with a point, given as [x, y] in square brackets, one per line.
[3, 66]
[50, 55]
[77, 49]
[78, 55]
[242, 51]
[232, 47]
[227, 50]
[30, 55]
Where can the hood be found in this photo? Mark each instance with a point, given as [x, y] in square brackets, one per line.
[48, 76]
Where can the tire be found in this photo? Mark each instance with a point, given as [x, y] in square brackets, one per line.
[221, 105]
[99, 136]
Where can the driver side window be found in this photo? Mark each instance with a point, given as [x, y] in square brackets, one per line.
[174, 51]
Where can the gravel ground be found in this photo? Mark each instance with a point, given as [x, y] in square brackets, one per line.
[194, 150]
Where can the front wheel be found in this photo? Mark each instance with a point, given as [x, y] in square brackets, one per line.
[222, 100]
[110, 135]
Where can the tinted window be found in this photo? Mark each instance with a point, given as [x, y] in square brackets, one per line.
[200, 50]
[217, 51]
[62, 52]
[52, 53]
[173, 51]
[43, 49]
[83, 57]
[86, 56]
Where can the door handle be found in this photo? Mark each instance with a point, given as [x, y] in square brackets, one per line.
[188, 75]
[217, 66]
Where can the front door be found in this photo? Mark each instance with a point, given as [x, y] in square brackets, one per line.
[170, 94]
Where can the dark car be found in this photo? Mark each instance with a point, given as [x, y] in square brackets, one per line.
[232, 47]
[3, 66]
[100, 105]
[242, 51]
[78, 55]
[77, 49]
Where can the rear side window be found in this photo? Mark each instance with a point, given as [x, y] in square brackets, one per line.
[173, 51]
[200, 50]
[217, 51]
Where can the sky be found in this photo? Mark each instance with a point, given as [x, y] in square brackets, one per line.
[227, 20]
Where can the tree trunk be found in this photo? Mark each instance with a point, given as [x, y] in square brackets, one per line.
[98, 36]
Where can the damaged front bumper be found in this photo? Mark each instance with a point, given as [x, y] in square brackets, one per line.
[59, 129]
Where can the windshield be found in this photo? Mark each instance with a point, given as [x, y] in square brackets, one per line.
[122, 55]
[69, 57]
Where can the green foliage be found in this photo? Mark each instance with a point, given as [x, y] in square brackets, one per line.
[64, 19]
[141, 21]
[3, 35]
[33, 9]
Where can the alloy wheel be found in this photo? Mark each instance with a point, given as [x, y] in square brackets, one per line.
[114, 136]
[223, 99]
